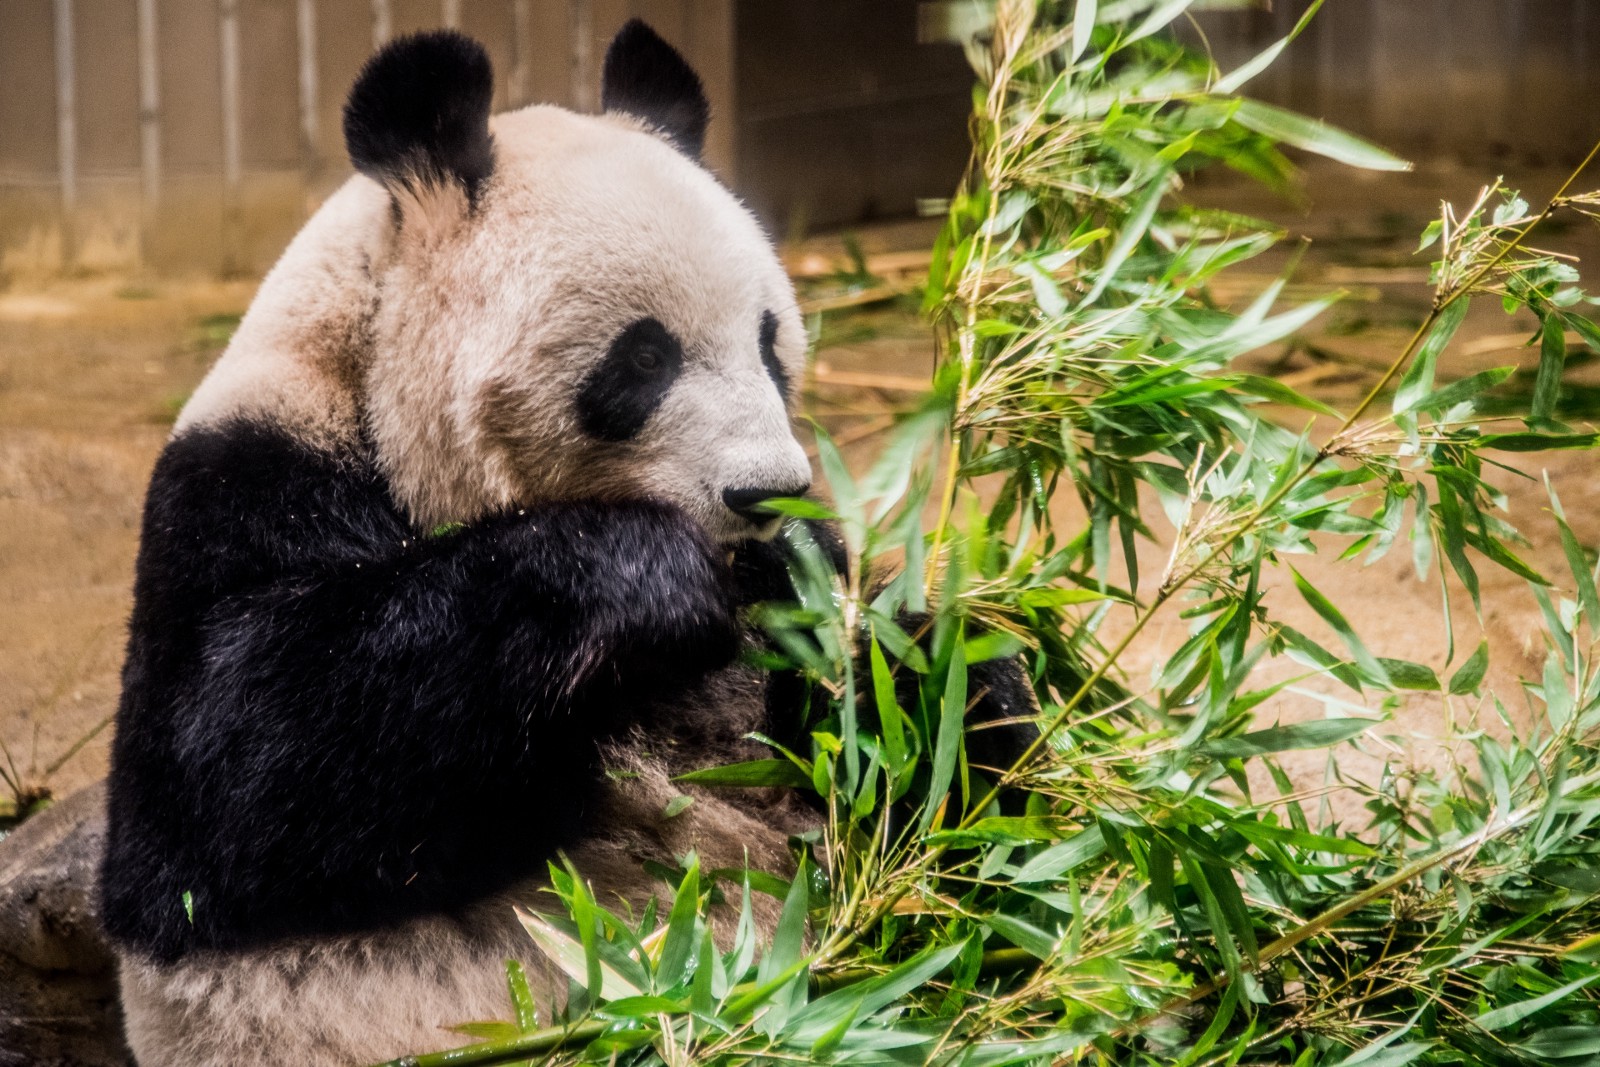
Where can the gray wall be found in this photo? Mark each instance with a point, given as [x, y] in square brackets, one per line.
[198, 134]
[1509, 81]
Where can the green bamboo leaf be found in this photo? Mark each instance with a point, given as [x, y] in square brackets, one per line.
[759, 773]
[1341, 626]
[1314, 136]
[1398, 1056]
[1463, 390]
[1583, 573]
[573, 959]
[1260, 832]
[1083, 27]
[1133, 230]
[677, 806]
[1231, 901]
[1275, 391]
[1418, 381]
[1005, 830]
[1233, 82]
[947, 745]
[1320, 733]
[1500, 1018]
[1538, 442]
[1058, 860]
[1023, 934]
[1158, 19]
[1564, 1043]
[1470, 676]
[1552, 361]
[681, 938]
[1216, 918]
[796, 508]
[864, 999]
[890, 717]
[1403, 674]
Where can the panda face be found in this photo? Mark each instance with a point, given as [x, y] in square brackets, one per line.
[591, 316]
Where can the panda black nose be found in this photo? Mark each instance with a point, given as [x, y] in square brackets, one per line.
[744, 502]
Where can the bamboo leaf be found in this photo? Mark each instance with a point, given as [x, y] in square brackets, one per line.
[1470, 676]
[759, 773]
[1314, 136]
[1235, 81]
[1502, 1017]
[1552, 361]
[1418, 381]
[1321, 733]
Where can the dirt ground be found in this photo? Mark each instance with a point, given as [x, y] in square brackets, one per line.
[92, 372]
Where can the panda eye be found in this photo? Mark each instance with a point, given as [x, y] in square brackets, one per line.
[647, 359]
[629, 382]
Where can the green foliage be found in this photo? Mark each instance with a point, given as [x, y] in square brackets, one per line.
[1129, 891]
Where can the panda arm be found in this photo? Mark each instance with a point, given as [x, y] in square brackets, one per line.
[329, 723]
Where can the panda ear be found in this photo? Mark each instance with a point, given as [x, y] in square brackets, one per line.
[646, 77]
[417, 120]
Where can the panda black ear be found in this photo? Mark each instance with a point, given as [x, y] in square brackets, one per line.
[418, 116]
[646, 77]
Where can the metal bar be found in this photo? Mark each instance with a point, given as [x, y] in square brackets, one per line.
[585, 85]
[382, 22]
[521, 53]
[232, 153]
[149, 106]
[306, 36]
[67, 128]
[450, 14]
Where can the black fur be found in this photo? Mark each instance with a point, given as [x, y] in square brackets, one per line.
[419, 113]
[769, 354]
[625, 388]
[646, 77]
[330, 723]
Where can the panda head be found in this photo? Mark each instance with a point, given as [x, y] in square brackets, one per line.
[568, 306]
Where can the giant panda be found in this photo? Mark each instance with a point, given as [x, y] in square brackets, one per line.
[432, 579]
[441, 571]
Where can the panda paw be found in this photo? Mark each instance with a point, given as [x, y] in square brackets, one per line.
[660, 595]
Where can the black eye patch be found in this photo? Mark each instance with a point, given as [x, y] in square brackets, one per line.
[624, 390]
[769, 354]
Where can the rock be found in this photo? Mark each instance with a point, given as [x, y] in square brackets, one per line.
[58, 977]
